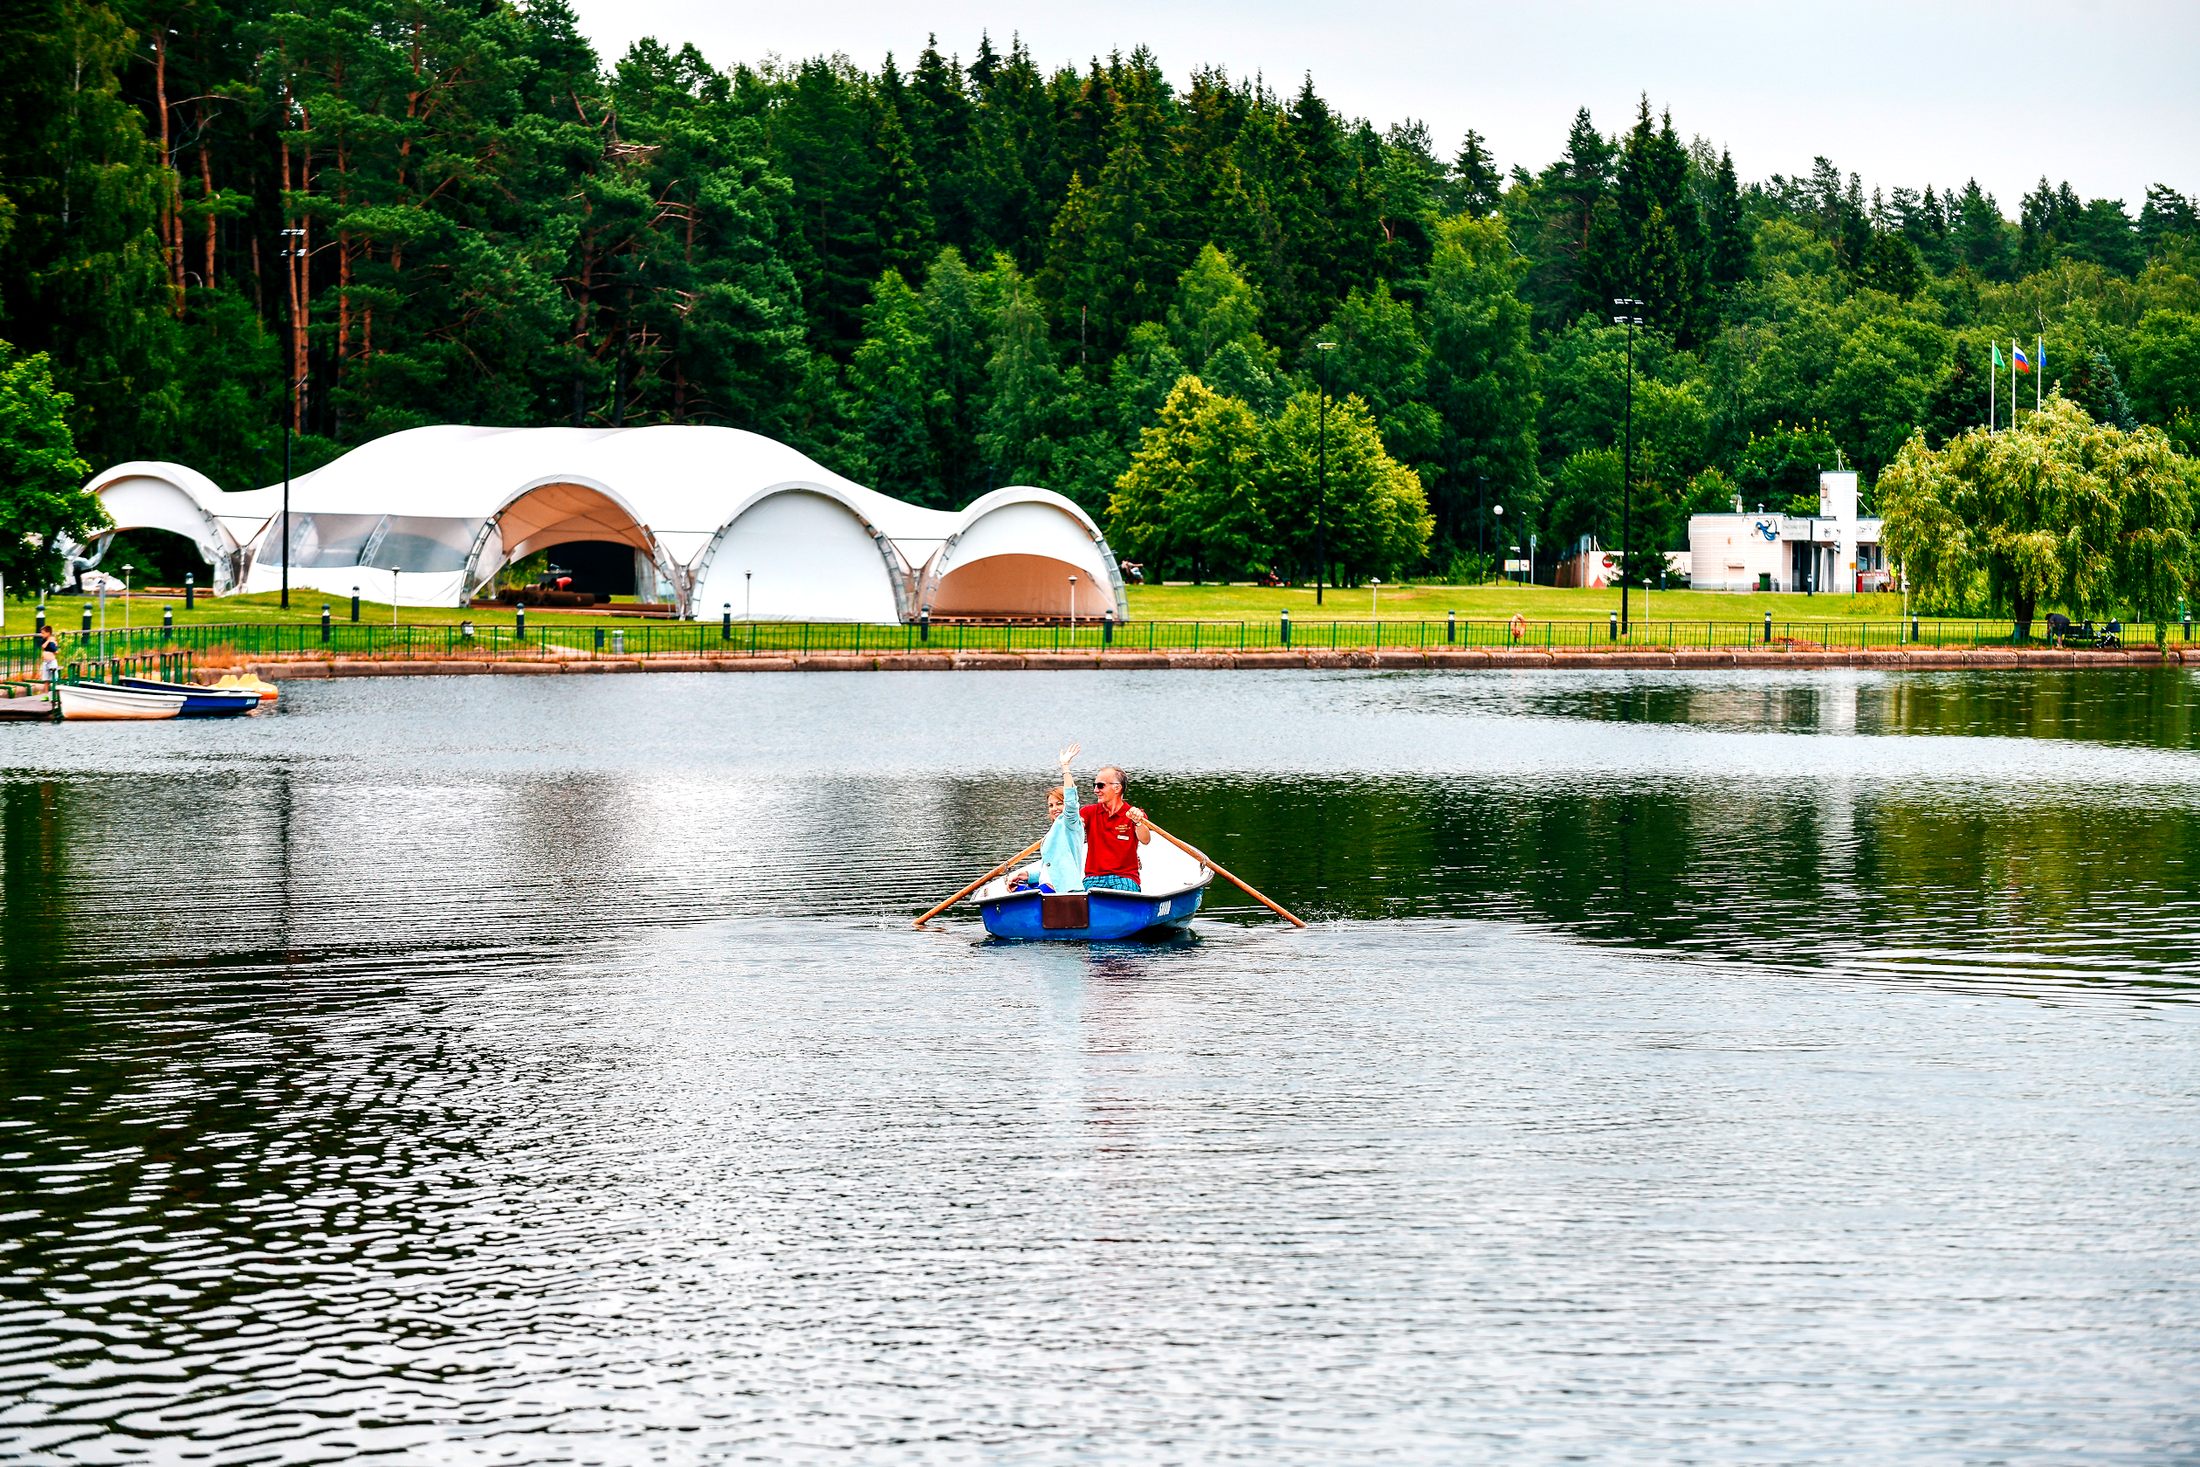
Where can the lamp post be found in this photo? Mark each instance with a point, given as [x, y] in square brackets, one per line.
[1321, 491]
[1073, 607]
[748, 583]
[1481, 515]
[126, 569]
[1499, 511]
[294, 248]
[1375, 596]
[1630, 316]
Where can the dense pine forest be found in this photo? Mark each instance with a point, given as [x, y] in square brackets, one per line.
[962, 271]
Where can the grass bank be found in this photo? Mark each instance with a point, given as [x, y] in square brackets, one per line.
[1147, 603]
[1536, 603]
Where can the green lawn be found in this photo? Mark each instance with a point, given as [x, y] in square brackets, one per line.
[1168, 603]
[1536, 603]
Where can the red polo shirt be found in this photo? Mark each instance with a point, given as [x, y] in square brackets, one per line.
[1111, 841]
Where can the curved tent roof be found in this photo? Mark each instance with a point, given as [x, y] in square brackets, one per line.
[510, 490]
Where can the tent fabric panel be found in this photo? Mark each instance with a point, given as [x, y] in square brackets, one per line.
[1017, 584]
[798, 556]
[1028, 529]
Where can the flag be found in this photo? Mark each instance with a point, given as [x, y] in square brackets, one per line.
[2023, 362]
[1997, 356]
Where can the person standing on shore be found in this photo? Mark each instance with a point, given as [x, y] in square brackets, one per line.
[1114, 830]
[49, 657]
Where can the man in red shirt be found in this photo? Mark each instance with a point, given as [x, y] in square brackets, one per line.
[1114, 830]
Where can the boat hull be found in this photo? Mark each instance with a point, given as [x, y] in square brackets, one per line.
[102, 701]
[1109, 915]
[200, 702]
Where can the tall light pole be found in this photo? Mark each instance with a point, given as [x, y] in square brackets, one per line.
[1629, 316]
[1321, 491]
[1481, 515]
[293, 249]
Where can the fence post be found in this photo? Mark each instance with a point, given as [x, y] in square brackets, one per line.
[324, 624]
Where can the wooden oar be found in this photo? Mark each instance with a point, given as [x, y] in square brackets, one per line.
[973, 886]
[1208, 861]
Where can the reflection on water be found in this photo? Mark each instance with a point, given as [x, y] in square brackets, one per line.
[1680, 1067]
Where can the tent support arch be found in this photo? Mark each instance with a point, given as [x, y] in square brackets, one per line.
[558, 511]
[138, 498]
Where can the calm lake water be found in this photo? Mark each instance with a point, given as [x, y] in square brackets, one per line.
[1724, 1068]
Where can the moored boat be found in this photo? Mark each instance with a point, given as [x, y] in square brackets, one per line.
[1171, 887]
[247, 682]
[199, 702]
[109, 701]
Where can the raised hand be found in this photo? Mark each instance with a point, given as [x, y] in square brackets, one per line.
[1070, 751]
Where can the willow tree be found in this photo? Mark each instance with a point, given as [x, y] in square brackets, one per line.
[2058, 511]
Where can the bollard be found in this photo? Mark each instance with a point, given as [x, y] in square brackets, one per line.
[725, 623]
[355, 606]
[599, 639]
[924, 625]
[1615, 626]
[1913, 631]
[618, 641]
[41, 618]
[519, 623]
[325, 634]
[2187, 618]
[1451, 628]
[1107, 627]
[466, 631]
[190, 591]
[1287, 628]
[167, 621]
[87, 616]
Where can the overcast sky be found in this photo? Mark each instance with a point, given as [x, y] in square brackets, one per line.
[2105, 94]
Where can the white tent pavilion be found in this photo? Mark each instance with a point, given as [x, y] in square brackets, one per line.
[719, 521]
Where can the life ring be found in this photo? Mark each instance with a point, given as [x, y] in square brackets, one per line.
[1519, 625]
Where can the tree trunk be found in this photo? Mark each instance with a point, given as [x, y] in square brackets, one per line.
[2022, 607]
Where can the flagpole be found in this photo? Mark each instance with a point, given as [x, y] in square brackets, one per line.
[2012, 383]
[1993, 386]
[2039, 371]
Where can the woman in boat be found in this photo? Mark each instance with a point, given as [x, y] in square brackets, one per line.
[1061, 862]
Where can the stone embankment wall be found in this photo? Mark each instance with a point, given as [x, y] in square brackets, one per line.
[1464, 659]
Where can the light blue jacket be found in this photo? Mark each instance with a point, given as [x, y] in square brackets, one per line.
[1062, 856]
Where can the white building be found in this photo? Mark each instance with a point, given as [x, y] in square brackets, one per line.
[1833, 551]
[716, 520]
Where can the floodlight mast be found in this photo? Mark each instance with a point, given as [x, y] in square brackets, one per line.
[1629, 315]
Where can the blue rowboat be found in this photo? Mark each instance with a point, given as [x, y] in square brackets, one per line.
[1171, 888]
[198, 702]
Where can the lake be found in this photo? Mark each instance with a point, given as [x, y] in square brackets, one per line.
[1730, 1067]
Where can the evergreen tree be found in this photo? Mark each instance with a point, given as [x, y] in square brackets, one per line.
[1476, 185]
[1482, 374]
